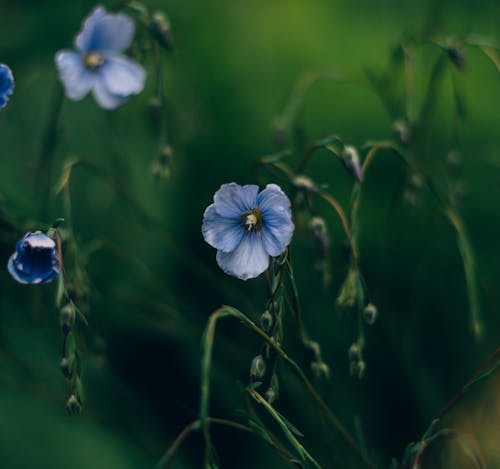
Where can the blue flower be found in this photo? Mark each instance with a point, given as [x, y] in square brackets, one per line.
[35, 260]
[98, 65]
[6, 84]
[246, 227]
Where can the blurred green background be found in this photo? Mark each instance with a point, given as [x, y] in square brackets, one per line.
[155, 285]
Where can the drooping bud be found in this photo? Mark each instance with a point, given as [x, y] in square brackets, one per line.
[303, 182]
[65, 367]
[320, 234]
[257, 368]
[320, 370]
[73, 406]
[370, 313]
[360, 369]
[266, 321]
[67, 317]
[354, 353]
[351, 160]
[272, 392]
[160, 27]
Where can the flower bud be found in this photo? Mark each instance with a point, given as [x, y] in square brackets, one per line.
[67, 317]
[351, 160]
[320, 370]
[303, 182]
[354, 353]
[320, 234]
[257, 368]
[370, 313]
[160, 27]
[266, 321]
[65, 367]
[73, 406]
[272, 392]
[360, 369]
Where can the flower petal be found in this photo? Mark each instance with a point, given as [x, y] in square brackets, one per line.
[77, 80]
[233, 200]
[278, 227]
[272, 196]
[247, 261]
[105, 98]
[105, 32]
[122, 76]
[6, 84]
[83, 41]
[221, 233]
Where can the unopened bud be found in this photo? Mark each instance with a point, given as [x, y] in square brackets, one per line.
[360, 369]
[266, 321]
[67, 317]
[351, 160]
[354, 353]
[370, 313]
[73, 405]
[65, 367]
[160, 27]
[320, 370]
[320, 233]
[304, 183]
[257, 368]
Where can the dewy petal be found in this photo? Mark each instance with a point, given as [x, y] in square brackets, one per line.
[104, 97]
[233, 200]
[122, 76]
[83, 41]
[247, 261]
[77, 80]
[112, 33]
[221, 233]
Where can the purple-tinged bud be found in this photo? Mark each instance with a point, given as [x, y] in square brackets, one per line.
[320, 233]
[351, 160]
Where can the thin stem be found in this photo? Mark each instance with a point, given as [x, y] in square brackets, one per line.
[206, 363]
[46, 151]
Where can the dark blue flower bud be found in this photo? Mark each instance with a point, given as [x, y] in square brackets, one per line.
[36, 259]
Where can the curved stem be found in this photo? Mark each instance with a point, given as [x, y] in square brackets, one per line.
[206, 363]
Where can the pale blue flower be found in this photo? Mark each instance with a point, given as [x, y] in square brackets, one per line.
[35, 260]
[246, 227]
[98, 64]
[6, 84]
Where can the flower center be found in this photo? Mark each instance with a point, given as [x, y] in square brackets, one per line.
[252, 220]
[93, 60]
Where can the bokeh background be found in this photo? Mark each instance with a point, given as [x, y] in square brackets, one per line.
[155, 283]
